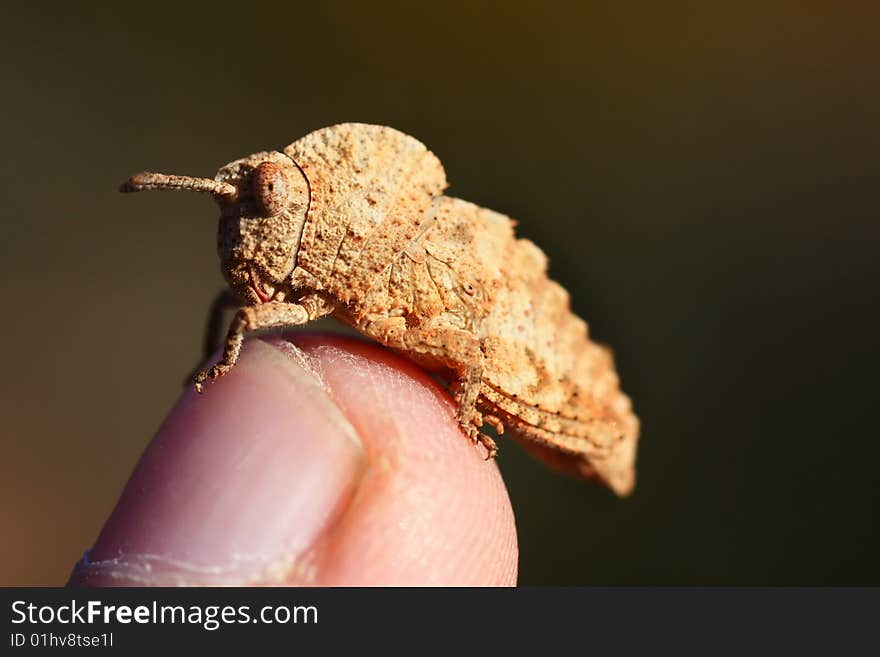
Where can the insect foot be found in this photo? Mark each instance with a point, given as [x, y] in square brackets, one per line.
[471, 425]
[490, 445]
[351, 221]
[212, 373]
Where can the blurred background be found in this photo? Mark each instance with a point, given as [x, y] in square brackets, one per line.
[704, 179]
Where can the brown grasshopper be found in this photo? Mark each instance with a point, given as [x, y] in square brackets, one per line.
[350, 221]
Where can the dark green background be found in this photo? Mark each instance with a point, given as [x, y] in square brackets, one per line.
[704, 179]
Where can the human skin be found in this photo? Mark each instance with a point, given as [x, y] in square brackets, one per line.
[332, 462]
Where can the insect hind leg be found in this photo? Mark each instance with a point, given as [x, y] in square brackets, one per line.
[455, 348]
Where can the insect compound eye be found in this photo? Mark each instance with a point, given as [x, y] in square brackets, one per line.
[269, 187]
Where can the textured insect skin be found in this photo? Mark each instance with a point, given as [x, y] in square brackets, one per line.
[350, 221]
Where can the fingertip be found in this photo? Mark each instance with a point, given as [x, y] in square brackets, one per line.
[237, 484]
[333, 462]
[432, 510]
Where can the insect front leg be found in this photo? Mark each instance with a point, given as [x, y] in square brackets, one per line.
[224, 301]
[251, 318]
[212, 338]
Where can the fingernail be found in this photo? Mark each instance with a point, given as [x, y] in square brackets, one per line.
[236, 486]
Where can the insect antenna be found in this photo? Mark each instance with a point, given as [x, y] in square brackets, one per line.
[148, 180]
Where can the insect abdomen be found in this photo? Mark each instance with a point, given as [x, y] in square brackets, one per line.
[546, 379]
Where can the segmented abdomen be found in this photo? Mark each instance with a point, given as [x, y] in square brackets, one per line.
[542, 374]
